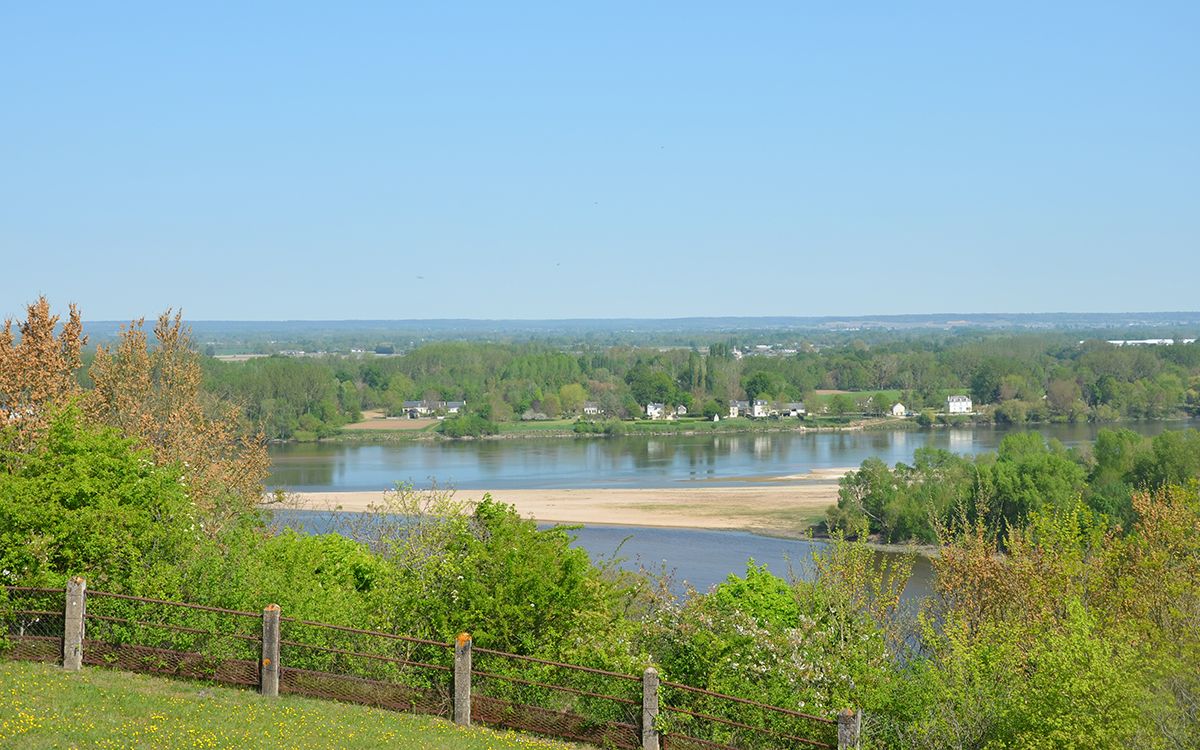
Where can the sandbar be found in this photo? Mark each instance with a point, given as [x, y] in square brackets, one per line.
[786, 508]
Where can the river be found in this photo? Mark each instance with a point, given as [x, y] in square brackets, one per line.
[701, 558]
[627, 462]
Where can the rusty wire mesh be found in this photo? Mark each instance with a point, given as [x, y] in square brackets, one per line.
[696, 719]
[32, 623]
[556, 699]
[367, 667]
[396, 672]
[171, 638]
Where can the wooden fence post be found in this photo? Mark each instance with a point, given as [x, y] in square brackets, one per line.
[849, 726]
[462, 680]
[73, 624]
[268, 676]
[649, 708]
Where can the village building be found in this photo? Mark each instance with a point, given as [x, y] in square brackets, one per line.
[738, 409]
[899, 410]
[655, 411]
[793, 409]
[425, 408]
[760, 408]
[958, 405]
[591, 409]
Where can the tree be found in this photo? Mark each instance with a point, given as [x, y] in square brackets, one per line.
[153, 395]
[38, 370]
[571, 396]
[841, 404]
[85, 502]
[761, 383]
[651, 386]
[1031, 474]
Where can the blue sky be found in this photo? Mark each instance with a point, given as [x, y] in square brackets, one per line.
[405, 160]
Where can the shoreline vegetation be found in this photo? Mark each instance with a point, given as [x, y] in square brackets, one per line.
[390, 430]
[382, 431]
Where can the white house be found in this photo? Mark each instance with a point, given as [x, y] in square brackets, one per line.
[958, 405]
[760, 408]
[681, 411]
[655, 411]
[426, 408]
[794, 409]
[738, 408]
[591, 408]
[899, 410]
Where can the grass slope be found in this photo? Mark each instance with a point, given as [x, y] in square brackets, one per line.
[43, 707]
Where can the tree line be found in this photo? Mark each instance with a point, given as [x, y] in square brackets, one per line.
[1027, 474]
[1012, 379]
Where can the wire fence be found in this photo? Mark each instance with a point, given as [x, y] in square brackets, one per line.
[320, 660]
[140, 634]
[556, 699]
[33, 623]
[367, 667]
[697, 718]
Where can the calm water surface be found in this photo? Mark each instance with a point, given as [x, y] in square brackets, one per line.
[697, 558]
[668, 461]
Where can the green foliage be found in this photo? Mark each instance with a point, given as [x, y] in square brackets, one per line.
[605, 427]
[765, 597]
[814, 646]
[467, 425]
[1027, 377]
[1072, 639]
[908, 502]
[1029, 474]
[85, 502]
[285, 396]
[1026, 475]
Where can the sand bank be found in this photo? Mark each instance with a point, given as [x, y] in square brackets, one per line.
[783, 509]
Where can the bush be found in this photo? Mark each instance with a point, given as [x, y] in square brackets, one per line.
[467, 425]
[86, 502]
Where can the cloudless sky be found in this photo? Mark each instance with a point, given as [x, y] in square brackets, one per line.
[508, 160]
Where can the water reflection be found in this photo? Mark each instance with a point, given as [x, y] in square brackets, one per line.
[628, 461]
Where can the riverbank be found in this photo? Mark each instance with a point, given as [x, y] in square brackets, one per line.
[389, 431]
[783, 506]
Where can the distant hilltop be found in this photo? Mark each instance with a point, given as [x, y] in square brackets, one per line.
[481, 328]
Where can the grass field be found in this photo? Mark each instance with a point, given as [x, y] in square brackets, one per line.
[544, 425]
[42, 706]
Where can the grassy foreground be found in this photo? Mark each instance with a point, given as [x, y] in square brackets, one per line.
[43, 707]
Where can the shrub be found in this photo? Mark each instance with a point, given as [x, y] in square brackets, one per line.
[467, 425]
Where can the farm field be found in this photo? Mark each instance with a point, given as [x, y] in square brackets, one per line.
[374, 420]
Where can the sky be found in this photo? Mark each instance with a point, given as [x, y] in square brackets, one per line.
[268, 161]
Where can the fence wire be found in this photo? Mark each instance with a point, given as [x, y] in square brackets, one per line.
[396, 672]
[697, 719]
[367, 667]
[556, 699]
[32, 623]
[181, 640]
